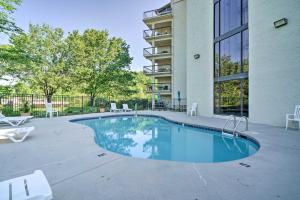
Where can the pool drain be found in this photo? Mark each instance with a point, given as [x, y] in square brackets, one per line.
[245, 165]
[101, 155]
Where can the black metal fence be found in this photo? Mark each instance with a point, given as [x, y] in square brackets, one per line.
[15, 105]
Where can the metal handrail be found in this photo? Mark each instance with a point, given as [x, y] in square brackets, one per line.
[167, 30]
[246, 128]
[160, 50]
[156, 13]
[232, 118]
[157, 69]
[229, 120]
[159, 87]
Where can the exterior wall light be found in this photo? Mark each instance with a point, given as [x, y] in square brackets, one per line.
[281, 22]
[197, 56]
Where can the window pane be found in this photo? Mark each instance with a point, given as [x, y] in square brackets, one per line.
[227, 97]
[245, 51]
[217, 23]
[217, 60]
[245, 97]
[231, 55]
[245, 11]
[230, 15]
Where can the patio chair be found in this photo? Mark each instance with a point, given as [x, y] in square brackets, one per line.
[14, 133]
[113, 108]
[193, 109]
[125, 108]
[50, 110]
[33, 186]
[14, 121]
[293, 117]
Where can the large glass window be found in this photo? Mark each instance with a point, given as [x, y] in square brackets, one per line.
[230, 51]
[245, 50]
[245, 11]
[230, 15]
[217, 17]
[231, 59]
[217, 59]
[227, 96]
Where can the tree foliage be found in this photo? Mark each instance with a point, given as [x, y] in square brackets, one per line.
[44, 68]
[7, 24]
[100, 63]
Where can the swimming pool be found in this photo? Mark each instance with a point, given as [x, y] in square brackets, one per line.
[160, 139]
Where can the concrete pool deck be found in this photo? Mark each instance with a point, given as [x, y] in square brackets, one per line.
[70, 159]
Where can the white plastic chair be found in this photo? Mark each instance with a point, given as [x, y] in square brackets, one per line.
[293, 117]
[113, 107]
[125, 108]
[14, 133]
[193, 109]
[49, 110]
[14, 121]
[33, 186]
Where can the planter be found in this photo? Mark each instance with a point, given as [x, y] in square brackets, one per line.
[102, 110]
[25, 114]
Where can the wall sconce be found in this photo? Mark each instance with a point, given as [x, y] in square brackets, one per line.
[197, 56]
[281, 22]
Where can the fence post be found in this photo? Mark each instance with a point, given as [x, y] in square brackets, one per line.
[82, 104]
[62, 102]
[31, 102]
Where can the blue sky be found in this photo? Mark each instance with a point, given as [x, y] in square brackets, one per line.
[122, 18]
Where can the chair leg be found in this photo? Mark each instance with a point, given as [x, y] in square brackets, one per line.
[286, 124]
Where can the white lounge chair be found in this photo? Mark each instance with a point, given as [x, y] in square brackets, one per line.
[293, 117]
[113, 108]
[16, 134]
[30, 187]
[125, 108]
[14, 121]
[193, 109]
[50, 110]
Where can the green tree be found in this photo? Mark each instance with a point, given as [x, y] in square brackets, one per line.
[11, 60]
[7, 24]
[100, 63]
[141, 83]
[44, 68]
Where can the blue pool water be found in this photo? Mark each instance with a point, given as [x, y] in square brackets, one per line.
[157, 138]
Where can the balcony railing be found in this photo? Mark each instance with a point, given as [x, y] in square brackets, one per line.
[154, 51]
[158, 32]
[157, 13]
[157, 69]
[159, 87]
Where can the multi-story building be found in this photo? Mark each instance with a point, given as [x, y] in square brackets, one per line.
[159, 37]
[231, 56]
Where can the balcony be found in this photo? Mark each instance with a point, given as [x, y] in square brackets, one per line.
[163, 88]
[158, 33]
[158, 13]
[157, 70]
[157, 51]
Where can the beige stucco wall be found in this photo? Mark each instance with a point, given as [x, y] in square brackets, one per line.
[274, 60]
[200, 41]
[179, 47]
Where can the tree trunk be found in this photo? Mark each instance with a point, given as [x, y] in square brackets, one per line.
[92, 100]
[49, 98]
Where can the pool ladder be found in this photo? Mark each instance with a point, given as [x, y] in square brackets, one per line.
[232, 120]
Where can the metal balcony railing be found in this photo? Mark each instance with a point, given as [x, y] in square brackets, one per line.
[157, 13]
[159, 87]
[154, 51]
[157, 69]
[163, 31]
